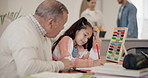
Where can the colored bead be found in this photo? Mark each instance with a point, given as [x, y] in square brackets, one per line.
[113, 37]
[115, 58]
[117, 52]
[121, 38]
[112, 43]
[122, 32]
[120, 41]
[110, 52]
[115, 32]
[122, 35]
[111, 46]
[118, 49]
[113, 40]
[108, 57]
[119, 44]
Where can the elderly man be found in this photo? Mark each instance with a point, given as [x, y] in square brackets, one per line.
[25, 47]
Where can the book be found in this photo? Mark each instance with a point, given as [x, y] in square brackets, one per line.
[117, 69]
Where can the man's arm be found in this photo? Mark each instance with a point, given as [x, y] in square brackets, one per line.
[132, 20]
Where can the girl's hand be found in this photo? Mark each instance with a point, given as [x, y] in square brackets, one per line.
[96, 32]
[99, 62]
[96, 35]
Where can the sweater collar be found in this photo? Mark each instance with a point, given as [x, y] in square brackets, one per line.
[37, 25]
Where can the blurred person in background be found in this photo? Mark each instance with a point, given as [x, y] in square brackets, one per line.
[127, 18]
[95, 17]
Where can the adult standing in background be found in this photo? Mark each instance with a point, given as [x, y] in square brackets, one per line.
[25, 47]
[94, 16]
[127, 18]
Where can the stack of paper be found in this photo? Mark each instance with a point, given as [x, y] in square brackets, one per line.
[116, 69]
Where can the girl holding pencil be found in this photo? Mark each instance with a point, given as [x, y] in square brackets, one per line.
[80, 44]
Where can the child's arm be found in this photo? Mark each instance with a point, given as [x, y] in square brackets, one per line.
[65, 47]
[95, 50]
[84, 59]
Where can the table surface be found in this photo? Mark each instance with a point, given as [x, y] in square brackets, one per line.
[111, 72]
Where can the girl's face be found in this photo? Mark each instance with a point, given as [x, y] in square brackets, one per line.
[82, 36]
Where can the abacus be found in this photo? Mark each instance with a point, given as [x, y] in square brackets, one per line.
[116, 45]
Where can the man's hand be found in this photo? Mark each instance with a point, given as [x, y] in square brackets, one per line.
[67, 63]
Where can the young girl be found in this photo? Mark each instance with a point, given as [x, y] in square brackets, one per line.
[78, 44]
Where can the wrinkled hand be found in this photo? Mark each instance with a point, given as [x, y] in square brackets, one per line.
[67, 64]
[99, 62]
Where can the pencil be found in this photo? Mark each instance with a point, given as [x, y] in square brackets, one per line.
[97, 47]
[74, 69]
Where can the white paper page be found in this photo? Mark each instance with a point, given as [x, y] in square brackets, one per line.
[91, 68]
[57, 75]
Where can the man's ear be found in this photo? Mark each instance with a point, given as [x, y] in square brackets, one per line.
[50, 22]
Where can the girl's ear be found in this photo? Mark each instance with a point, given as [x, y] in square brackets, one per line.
[77, 32]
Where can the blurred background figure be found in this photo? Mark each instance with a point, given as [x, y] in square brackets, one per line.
[127, 18]
[95, 17]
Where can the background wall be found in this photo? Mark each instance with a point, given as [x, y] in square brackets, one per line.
[26, 6]
[145, 20]
[110, 12]
[73, 7]
[3, 6]
[109, 9]
[29, 6]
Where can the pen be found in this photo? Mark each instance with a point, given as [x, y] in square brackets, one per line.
[74, 69]
[97, 47]
[144, 54]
